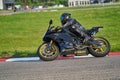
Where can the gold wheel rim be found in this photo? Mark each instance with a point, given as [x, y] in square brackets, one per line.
[102, 48]
[47, 53]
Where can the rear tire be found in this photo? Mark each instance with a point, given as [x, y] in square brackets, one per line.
[48, 53]
[102, 51]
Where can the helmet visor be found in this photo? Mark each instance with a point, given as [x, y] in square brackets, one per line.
[62, 18]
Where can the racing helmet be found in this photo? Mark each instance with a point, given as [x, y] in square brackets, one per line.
[64, 17]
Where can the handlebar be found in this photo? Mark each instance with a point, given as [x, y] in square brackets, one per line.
[58, 28]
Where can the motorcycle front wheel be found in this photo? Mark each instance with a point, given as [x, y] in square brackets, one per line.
[48, 52]
[101, 51]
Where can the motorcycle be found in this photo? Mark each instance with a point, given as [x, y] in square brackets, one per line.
[59, 41]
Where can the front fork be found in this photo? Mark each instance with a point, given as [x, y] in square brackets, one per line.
[49, 46]
[51, 42]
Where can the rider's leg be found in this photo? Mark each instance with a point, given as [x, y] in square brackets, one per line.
[87, 39]
[82, 32]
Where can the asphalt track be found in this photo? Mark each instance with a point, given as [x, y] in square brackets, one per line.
[105, 68]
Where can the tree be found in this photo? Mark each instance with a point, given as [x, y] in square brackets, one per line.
[63, 2]
[18, 2]
[57, 2]
[117, 0]
[42, 2]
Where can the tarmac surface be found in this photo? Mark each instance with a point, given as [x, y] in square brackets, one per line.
[105, 68]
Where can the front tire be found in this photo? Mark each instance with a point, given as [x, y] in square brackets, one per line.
[48, 53]
[103, 50]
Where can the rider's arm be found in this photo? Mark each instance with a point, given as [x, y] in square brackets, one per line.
[69, 22]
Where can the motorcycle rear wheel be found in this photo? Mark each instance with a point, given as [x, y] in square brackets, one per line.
[103, 50]
[48, 53]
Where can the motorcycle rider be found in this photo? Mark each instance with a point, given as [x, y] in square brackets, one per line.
[75, 27]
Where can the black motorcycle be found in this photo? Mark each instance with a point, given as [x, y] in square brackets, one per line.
[59, 41]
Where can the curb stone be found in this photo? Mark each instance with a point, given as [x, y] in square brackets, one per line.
[59, 57]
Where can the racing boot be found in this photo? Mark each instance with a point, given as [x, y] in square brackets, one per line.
[91, 42]
[86, 39]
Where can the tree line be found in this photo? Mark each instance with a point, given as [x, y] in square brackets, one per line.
[41, 2]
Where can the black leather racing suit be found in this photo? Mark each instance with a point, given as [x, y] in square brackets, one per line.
[75, 27]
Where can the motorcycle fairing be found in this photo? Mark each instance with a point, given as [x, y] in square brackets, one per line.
[64, 40]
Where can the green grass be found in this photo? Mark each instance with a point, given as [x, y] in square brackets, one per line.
[21, 34]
